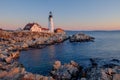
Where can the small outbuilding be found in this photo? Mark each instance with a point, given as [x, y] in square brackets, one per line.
[59, 30]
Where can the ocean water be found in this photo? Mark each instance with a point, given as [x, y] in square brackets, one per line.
[40, 61]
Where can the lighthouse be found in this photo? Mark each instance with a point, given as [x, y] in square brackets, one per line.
[50, 22]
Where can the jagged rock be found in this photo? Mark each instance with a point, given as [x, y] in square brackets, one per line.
[57, 65]
[80, 37]
[83, 79]
[13, 72]
[8, 59]
[15, 54]
[104, 75]
[13, 41]
[110, 65]
[109, 71]
[2, 56]
[0, 65]
[93, 62]
[115, 60]
[24, 45]
[105, 71]
[50, 78]
[38, 77]
[45, 78]
[3, 74]
[30, 43]
[74, 63]
[116, 77]
[4, 52]
[66, 71]
[29, 76]
[22, 70]
[10, 48]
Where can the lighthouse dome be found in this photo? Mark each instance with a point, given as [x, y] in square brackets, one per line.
[50, 14]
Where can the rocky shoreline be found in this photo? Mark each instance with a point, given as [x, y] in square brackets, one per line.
[97, 70]
[11, 43]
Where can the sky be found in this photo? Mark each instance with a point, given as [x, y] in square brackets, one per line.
[67, 14]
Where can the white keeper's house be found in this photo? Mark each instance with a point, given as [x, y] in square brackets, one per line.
[35, 27]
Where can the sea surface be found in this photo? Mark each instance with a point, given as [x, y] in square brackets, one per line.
[40, 61]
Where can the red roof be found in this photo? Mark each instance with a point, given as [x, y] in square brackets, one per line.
[59, 29]
[29, 26]
[1, 29]
[45, 29]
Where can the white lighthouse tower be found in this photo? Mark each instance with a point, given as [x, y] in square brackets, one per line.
[50, 22]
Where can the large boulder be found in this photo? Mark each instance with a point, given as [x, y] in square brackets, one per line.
[116, 77]
[15, 54]
[80, 37]
[9, 59]
[57, 65]
[65, 72]
[3, 74]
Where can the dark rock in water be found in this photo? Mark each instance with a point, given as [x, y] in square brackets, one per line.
[115, 60]
[80, 37]
[110, 65]
[93, 62]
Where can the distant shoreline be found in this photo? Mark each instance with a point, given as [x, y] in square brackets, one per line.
[95, 30]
